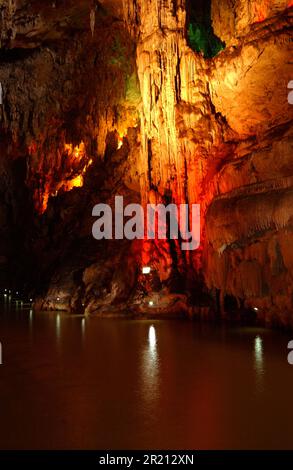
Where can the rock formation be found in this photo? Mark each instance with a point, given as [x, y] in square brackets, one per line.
[182, 102]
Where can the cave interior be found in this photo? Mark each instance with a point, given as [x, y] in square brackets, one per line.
[174, 101]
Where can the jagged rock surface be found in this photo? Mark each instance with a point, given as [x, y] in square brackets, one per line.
[156, 122]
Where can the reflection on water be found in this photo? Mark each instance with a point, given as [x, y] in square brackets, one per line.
[83, 326]
[259, 362]
[31, 321]
[152, 341]
[86, 383]
[150, 370]
[58, 327]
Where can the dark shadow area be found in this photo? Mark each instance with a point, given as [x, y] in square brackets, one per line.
[200, 31]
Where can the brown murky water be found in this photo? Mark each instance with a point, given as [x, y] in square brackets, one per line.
[74, 383]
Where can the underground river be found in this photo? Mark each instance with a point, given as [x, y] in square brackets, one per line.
[69, 382]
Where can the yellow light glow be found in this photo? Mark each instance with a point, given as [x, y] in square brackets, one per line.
[76, 182]
[121, 134]
[78, 152]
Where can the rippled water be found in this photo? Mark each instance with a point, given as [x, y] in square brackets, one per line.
[74, 383]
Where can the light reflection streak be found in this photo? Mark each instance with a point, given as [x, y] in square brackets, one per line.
[82, 327]
[259, 362]
[58, 327]
[150, 372]
[30, 320]
[152, 340]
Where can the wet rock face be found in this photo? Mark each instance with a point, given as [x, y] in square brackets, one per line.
[218, 132]
[249, 222]
[70, 93]
[53, 113]
[110, 97]
[31, 24]
[233, 20]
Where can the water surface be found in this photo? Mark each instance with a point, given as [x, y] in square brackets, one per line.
[72, 383]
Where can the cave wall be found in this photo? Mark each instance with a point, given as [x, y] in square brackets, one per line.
[218, 132]
[249, 223]
[183, 102]
[70, 93]
[52, 111]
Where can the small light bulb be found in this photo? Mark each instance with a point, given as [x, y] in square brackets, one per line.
[146, 270]
[151, 303]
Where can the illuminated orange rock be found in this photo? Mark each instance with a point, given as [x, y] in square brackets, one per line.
[232, 21]
[211, 128]
[249, 222]
[125, 104]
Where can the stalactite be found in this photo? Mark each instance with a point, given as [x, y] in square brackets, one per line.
[187, 144]
[214, 130]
